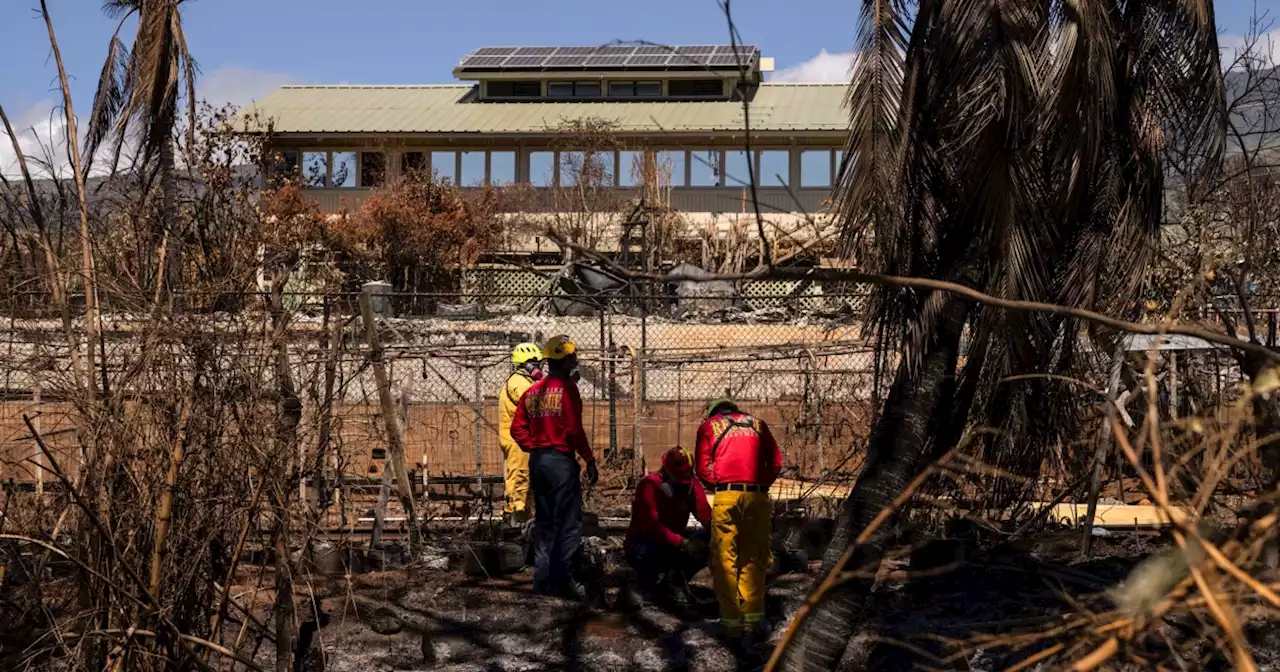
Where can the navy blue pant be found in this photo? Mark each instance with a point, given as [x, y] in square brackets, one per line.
[557, 509]
[652, 560]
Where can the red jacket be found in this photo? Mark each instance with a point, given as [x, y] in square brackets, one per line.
[549, 415]
[736, 448]
[658, 517]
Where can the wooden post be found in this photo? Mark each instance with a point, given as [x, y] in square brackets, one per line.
[395, 442]
[1104, 443]
[1173, 384]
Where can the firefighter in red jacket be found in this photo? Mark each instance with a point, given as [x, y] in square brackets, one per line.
[548, 425]
[658, 545]
[738, 459]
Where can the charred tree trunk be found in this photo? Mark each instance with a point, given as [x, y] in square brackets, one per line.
[918, 410]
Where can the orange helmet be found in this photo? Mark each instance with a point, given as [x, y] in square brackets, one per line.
[677, 463]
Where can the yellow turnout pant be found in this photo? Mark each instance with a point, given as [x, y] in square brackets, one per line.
[740, 533]
[515, 479]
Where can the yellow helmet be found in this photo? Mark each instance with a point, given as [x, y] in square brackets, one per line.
[559, 347]
[525, 352]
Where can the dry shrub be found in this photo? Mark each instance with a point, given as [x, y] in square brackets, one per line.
[415, 232]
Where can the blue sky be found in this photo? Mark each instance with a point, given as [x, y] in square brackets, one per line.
[248, 47]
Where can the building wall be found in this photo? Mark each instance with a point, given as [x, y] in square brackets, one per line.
[683, 199]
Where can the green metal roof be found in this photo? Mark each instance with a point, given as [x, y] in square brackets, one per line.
[437, 109]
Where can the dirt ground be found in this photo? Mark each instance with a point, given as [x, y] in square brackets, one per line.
[418, 619]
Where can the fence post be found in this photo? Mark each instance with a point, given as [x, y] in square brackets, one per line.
[395, 442]
[613, 400]
[478, 405]
[637, 386]
[679, 403]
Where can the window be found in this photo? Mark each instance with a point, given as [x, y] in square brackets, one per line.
[570, 168]
[815, 168]
[695, 88]
[839, 162]
[542, 166]
[343, 175]
[444, 165]
[514, 89]
[737, 169]
[286, 164]
[671, 169]
[648, 89]
[622, 89]
[315, 169]
[373, 169]
[502, 167]
[630, 169]
[472, 169]
[704, 168]
[775, 168]
[559, 89]
[586, 89]
[598, 169]
[413, 162]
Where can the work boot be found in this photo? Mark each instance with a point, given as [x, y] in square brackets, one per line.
[676, 591]
[629, 599]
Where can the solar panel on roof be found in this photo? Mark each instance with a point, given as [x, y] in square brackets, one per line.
[615, 49]
[691, 59]
[727, 60]
[653, 49]
[494, 51]
[524, 62]
[483, 61]
[563, 61]
[535, 51]
[696, 50]
[575, 51]
[648, 59]
[607, 60]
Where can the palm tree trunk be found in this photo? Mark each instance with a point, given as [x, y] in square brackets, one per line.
[170, 224]
[917, 412]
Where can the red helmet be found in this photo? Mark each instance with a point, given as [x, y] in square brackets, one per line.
[677, 463]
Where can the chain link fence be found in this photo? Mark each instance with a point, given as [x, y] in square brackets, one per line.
[790, 353]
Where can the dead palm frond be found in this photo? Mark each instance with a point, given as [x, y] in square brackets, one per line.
[143, 85]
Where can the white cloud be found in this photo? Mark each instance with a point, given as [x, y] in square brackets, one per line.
[825, 67]
[41, 130]
[1266, 49]
[239, 86]
[42, 135]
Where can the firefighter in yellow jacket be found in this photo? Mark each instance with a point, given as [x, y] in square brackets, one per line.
[526, 358]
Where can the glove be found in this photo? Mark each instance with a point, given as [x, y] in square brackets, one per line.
[694, 547]
[593, 473]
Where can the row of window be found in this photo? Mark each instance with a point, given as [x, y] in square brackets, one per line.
[676, 88]
[677, 168]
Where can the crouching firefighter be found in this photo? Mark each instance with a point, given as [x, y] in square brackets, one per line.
[737, 458]
[526, 359]
[658, 546]
[548, 425]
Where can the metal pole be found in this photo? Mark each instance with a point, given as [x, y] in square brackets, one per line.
[1104, 443]
[479, 424]
[679, 403]
[613, 399]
